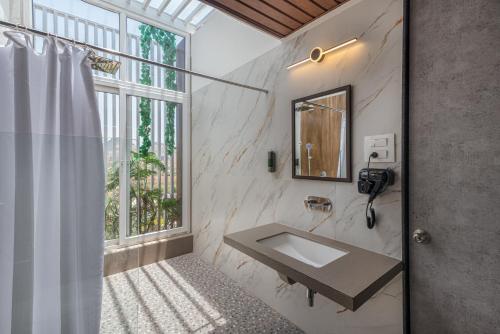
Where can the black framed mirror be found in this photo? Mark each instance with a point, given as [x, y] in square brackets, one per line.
[321, 136]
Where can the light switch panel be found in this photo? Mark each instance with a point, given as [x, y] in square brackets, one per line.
[378, 142]
[384, 145]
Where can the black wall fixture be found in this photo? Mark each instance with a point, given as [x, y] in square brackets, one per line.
[271, 161]
[405, 170]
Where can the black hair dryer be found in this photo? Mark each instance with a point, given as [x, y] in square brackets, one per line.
[373, 181]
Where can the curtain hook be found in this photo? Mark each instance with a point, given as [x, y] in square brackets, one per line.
[21, 28]
[28, 36]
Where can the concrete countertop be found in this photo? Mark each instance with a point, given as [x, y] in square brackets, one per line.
[349, 281]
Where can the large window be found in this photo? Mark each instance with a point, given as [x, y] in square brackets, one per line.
[155, 201]
[144, 117]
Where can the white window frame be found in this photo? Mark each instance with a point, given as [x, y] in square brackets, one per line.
[124, 88]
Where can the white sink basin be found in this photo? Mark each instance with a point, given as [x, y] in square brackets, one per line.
[304, 250]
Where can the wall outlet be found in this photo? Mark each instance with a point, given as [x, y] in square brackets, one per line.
[384, 145]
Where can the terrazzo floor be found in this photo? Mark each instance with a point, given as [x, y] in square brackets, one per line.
[184, 295]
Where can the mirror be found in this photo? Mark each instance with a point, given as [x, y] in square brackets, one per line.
[321, 136]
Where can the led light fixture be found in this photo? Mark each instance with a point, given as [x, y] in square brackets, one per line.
[318, 54]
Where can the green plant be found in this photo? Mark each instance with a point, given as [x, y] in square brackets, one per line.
[150, 211]
[166, 40]
[173, 210]
[112, 206]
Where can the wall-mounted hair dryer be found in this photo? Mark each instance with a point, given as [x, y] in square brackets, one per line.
[373, 181]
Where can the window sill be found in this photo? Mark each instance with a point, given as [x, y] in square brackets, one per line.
[117, 260]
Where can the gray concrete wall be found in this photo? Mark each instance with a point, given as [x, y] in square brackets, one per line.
[455, 165]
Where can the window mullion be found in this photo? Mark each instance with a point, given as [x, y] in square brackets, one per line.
[123, 46]
[124, 138]
[185, 163]
[124, 167]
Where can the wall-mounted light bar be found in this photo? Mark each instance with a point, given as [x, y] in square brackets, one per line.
[318, 54]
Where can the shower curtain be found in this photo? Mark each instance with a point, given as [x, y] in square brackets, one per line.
[51, 190]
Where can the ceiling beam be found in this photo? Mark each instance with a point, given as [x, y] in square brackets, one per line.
[146, 4]
[194, 12]
[180, 8]
[162, 6]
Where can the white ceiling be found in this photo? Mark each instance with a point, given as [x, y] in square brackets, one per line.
[224, 44]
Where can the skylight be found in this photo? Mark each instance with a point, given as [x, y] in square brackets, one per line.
[155, 3]
[182, 15]
[190, 8]
[189, 12]
[201, 15]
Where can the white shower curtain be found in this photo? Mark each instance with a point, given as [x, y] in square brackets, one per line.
[51, 190]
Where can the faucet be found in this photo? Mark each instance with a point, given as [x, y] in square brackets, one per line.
[318, 203]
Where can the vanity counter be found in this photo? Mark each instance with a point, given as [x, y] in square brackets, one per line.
[350, 280]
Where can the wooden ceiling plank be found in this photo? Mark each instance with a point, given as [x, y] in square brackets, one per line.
[251, 16]
[289, 10]
[272, 13]
[258, 17]
[307, 6]
[327, 4]
[277, 17]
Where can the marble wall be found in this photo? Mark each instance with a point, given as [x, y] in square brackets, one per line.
[233, 128]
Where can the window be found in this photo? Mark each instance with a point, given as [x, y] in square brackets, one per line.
[155, 204]
[144, 112]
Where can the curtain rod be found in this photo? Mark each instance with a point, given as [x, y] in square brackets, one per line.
[125, 55]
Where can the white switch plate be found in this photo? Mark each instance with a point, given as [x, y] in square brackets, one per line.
[384, 145]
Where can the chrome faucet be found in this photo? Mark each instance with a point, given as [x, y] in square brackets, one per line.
[318, 203]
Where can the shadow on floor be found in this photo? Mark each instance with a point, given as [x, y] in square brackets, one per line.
[184, 295]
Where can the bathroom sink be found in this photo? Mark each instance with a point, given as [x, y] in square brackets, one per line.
[346, 274]
[302, 249]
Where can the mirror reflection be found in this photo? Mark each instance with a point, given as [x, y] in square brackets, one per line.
[321, 136]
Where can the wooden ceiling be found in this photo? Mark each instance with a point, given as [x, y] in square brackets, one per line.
[277, 17]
